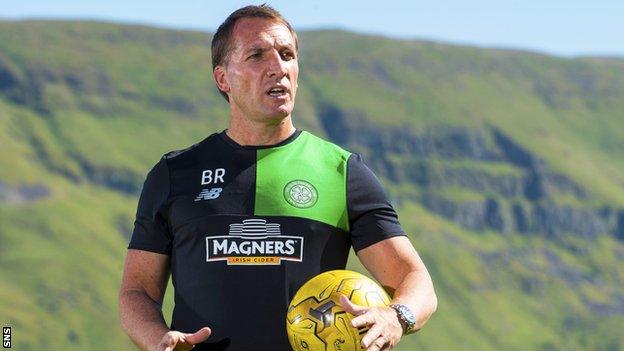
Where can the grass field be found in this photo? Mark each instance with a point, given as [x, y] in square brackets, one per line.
[87, 108]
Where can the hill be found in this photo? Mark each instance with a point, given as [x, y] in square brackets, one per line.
[507, 168]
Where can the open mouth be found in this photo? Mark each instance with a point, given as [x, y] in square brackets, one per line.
[277, 92]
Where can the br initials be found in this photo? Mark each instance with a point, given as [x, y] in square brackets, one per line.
[207, 176]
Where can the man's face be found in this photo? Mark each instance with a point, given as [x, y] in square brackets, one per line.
[260, 74]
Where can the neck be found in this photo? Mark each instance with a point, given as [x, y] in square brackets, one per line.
[248, 132]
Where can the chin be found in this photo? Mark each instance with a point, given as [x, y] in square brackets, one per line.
[278, 116]
[281, 112]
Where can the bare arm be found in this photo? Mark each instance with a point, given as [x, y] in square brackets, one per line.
[395, 264]
[140, 304]
[140, 297]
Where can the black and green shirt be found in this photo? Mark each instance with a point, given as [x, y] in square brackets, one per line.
[246, 226]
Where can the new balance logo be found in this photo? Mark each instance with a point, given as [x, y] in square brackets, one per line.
[209, 194]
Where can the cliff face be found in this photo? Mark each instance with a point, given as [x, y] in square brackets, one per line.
[507, 169]
[478, 178]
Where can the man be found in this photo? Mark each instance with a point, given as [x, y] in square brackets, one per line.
[242, 219]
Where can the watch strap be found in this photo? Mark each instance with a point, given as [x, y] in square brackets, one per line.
[402, 312]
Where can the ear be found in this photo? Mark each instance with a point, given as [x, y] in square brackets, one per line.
[219, 76]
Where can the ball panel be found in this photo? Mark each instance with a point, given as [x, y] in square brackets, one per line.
[315, 320]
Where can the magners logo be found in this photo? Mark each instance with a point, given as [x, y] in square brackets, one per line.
[254, 242]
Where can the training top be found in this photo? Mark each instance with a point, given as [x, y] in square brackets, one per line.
[246, 226]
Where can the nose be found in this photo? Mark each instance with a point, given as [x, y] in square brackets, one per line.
[277, 65]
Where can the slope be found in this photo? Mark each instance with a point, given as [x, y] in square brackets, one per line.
[462, 137]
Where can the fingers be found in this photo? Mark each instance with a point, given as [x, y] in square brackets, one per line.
[384, 332]
[198, 336]
[362, 320]
[174, 340]
[372, 335]
[378, 345]
[351, 307]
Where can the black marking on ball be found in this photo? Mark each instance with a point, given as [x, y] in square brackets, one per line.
[323, 313]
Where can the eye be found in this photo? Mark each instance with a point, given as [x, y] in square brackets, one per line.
[255, 55]
[288, 55]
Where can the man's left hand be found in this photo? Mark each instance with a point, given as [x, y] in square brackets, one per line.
[385, 329]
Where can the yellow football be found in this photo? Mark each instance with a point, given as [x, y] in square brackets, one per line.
[315, 320]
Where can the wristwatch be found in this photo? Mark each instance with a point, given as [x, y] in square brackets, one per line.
[406, 317]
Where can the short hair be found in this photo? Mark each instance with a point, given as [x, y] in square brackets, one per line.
[221, 41]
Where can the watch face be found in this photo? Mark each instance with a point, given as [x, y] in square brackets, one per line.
[406, 315]
[409, 316]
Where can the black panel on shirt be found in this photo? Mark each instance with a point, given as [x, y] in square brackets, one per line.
[171, 188]
[238, 187]
[245, 306]
[371, 216]
[151, 232]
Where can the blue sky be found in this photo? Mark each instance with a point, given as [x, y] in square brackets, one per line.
[566, 28]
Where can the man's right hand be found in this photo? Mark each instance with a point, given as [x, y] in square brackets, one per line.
[176, 341]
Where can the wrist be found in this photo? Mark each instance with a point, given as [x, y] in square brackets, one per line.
[405, 316]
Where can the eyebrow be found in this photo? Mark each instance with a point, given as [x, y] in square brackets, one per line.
[261, 48]
[256, 48]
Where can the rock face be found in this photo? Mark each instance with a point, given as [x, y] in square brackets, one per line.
[117, 179]
[22, 193]
[478, 178]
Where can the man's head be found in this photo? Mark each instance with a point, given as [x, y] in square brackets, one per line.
[254, 59]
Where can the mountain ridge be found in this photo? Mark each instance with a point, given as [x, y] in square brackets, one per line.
[507, 169]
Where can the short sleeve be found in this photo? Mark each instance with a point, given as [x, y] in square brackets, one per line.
[371, 216]
[151, 232]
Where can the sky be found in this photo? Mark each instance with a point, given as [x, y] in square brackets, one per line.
[564, 28]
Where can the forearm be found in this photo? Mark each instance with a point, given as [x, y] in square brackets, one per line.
[141, 319]
[416, 292]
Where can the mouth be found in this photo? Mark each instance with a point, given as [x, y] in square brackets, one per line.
[279, 92]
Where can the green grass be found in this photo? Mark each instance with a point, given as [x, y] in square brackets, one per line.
[120, 96]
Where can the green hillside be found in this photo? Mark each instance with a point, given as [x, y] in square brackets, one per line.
[507, 168]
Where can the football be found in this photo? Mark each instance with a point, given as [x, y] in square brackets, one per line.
[315, 321]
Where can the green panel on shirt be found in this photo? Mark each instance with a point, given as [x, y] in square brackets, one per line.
[305, 178]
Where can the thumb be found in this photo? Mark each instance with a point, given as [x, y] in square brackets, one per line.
[198, 336]
[171, 340]
[350, 307]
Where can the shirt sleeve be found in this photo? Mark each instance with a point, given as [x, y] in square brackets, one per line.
[151, 230]
[371, 216]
